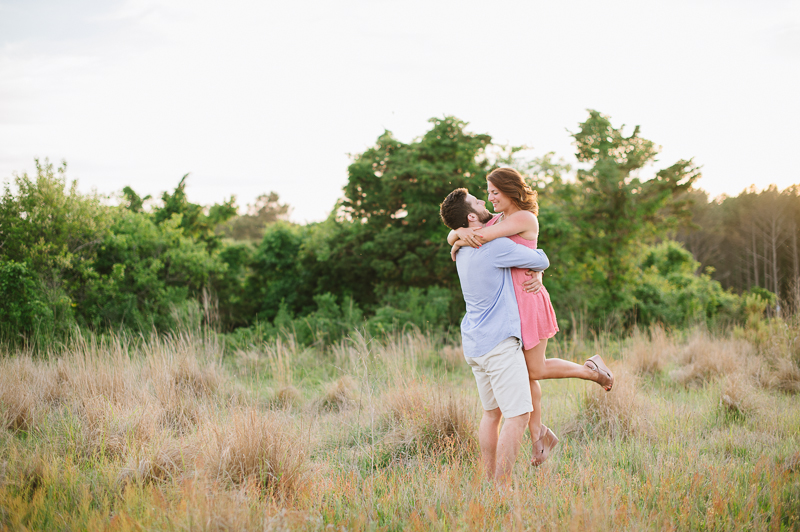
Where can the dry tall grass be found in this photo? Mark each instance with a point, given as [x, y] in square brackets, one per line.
[649, 352]
[258, 449]
[424, 420]
[616, 414]
[705, 358]
[700, 432]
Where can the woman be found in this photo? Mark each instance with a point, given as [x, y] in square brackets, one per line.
[517, 206]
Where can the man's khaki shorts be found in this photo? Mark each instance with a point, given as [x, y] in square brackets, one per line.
[502, 378]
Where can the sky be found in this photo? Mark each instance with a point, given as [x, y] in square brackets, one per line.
[256, 96]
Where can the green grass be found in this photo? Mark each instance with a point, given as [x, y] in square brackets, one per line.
[169, 434]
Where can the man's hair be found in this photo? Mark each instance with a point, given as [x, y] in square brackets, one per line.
[455, 209]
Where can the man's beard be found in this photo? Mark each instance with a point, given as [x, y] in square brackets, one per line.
[484, 216]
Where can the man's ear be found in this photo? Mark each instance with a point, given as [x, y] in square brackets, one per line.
[472, 217]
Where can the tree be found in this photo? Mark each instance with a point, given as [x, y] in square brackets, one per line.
[194, 220]
[266, 210]
[616, 211]
[55, 231]
[277, 277]
[390, 210]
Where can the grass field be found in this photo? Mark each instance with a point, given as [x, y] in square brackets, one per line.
[701, 432]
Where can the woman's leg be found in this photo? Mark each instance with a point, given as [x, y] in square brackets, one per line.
[541, 368]
[535, 422]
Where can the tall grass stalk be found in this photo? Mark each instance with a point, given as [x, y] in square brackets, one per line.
[170, 432]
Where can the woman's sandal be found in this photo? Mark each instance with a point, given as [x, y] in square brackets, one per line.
[606, 378]
[548, 440]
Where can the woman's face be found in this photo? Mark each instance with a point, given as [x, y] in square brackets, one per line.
[499, 201]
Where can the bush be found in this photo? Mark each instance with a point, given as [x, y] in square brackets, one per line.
[669, 291]
[23, 306]
[427, 309]
[146, 270]
[55, 231]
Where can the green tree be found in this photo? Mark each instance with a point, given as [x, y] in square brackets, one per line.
[267, 209]
[669, 291]
[277, 277]
[194, 220]
[389, 233]
[616, 212]
[145, 270]
[56, 231]
[23, 307]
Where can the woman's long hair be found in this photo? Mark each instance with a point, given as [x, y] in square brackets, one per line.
[510, 182]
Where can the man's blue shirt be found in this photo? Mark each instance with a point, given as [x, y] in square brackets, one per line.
[492, 312]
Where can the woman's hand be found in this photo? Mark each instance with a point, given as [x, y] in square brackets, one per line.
[534, 284]
[455, 248]
[470, 237]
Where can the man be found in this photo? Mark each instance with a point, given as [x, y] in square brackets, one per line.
[490, 332]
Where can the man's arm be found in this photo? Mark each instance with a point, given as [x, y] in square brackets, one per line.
[511, 255]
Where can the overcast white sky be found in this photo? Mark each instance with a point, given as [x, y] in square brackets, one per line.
[253, 96]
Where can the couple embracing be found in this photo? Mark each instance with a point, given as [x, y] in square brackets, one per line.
[509, 317]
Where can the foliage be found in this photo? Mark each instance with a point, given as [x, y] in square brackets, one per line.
[194, 221]
[23, 305]
[594, 228]
[426, 309]
[380, 261]
[276, 277]
[391, 206]
[55, 231]
[750, 240]
[145, 270]
[250, 226]
[617, 211]
[669, 292]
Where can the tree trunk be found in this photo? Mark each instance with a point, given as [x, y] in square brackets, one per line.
[795, 286]
[755, 255]
[794, 251]
[766, 264]
[775, 278]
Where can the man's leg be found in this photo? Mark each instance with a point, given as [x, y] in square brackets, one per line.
[487, 437]
[508, 446]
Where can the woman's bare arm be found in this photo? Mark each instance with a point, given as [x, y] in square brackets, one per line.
[523, 223]
[452, 237]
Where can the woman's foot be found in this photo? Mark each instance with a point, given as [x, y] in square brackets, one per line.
[604, 376]
[542, 447]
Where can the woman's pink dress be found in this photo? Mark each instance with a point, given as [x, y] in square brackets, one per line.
[536, 314]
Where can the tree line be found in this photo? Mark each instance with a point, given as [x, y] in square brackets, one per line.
[749, 242]
[623, 249]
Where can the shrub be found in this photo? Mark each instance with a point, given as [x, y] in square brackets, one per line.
[705, 358]
[56, 231]
[23, 305]
[669, 291]
[425, 308]
[649, 355]
[738, 396]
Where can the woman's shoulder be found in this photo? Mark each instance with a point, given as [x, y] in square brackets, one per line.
[523, 215]
[524, 220]
[494, 219]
